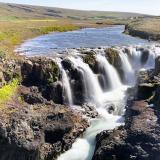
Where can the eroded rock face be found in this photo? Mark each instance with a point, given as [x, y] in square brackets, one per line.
[39, 131]
[45, 74]
[137, 140]
[40, 71]
[32, 126]
[145, 56]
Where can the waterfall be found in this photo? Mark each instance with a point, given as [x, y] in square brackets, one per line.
[91, 85]
[110, 72]
[83, 148]
[67, 91]
[129, 74]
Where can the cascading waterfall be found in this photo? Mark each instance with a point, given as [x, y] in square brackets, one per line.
[110, 72]
[67, 91]
[91, 85]
[83, 148]
[129, 75]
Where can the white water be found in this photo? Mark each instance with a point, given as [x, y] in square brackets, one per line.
[67, 91]
[109, 72]
[83, 148]
[129, 74]
[93, 90]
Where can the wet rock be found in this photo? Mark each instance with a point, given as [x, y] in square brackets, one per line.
[145, 91]
[67, 64]
[113, 57]
[144, 56]
[89, 110]
[138, 139]
[31, 95]
[90, 59]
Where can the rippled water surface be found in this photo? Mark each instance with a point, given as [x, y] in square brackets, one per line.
[90, 37]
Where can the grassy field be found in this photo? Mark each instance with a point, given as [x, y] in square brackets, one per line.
[148, 28]
[13, 33]
[22, 22]
[14, 11]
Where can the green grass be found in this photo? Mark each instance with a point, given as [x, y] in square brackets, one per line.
[45, 30]
[7, 92]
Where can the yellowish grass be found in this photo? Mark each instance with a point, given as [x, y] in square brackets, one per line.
[14, 32]
[7, 92]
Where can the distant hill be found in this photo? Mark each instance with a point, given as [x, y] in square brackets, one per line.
[17, 11]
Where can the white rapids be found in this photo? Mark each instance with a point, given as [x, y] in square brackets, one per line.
[83, 148]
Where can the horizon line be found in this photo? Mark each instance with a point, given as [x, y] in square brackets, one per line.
[85, 10]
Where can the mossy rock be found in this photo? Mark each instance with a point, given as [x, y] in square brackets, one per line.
[52, 73]
[40, 71]
[113, 56]
[114, 59]
[48, 72]
[90, 59]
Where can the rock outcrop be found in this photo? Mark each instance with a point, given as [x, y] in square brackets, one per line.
[32, 126]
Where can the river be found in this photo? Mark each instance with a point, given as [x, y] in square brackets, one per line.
[113, 91]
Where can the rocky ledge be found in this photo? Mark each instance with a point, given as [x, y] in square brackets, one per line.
[32, 126]
[139, 138]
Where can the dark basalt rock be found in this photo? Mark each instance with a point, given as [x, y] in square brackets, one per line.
[157, 65]
[76, 77]
[144, 57]
[32, 126]
[39, 132]
[137, 140]
[39, 71]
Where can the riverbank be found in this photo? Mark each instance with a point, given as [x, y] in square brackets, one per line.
[146, 28]
[15, 32]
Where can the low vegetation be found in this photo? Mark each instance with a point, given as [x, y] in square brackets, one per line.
[7, 92]
[13, 33]
[147, 28]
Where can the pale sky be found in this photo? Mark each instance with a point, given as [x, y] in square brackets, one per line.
[140, 6]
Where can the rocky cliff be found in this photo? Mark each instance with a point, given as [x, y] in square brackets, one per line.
[32, 125]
